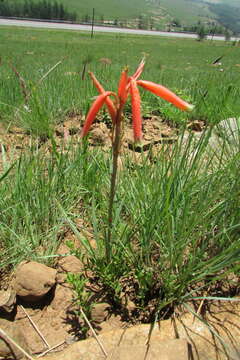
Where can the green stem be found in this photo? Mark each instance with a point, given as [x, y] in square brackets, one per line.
[116, 149]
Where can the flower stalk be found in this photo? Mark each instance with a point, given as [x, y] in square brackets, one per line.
[115, 154]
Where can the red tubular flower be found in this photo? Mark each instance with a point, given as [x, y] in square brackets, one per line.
[96, 106]
[111, 107]
[136, 110]
[122, 87]
[129, 85]
[166, 94]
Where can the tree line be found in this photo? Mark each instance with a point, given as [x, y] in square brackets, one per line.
[43, 9]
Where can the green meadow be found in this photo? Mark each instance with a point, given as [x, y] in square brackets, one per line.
[176, 219]
[182, 65]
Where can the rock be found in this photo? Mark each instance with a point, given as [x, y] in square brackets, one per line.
[229, 130]
[71, 264]
[61, 278]
[33, 280]
[99, 312]
[228, 127]
[63, 250]
[56, 322]
[112, 322]
[206, 344]
[63, 298]
[10, 351]
[208, 146]
[176, 349]
[7, 300]
[225, 139]
[170, 350]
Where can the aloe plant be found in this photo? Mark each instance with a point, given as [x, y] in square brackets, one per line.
[128, 85]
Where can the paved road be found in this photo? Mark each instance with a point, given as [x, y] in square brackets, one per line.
[64, 26]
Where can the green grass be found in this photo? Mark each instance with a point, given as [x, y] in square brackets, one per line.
[176, 218]
[183, 65]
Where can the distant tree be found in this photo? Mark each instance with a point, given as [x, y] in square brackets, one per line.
[151, 23]
[176, 22]
[227, 35]
[44, 9]
[49, 9]
[86, 18]
[219, 29]
[73, 16]
[201, 33]
[142, 22]
[5, 9]
[62, 15]
[26, 9]
[55, 10]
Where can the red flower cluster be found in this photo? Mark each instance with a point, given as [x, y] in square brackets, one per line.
[129, 85]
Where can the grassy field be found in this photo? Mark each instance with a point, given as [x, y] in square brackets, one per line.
[176, 219]
[183, 65]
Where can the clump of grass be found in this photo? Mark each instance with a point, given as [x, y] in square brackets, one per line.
[175, 231]
[168, 234]
[30, 221]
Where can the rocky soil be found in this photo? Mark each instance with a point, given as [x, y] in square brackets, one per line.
[37, 307]
[38, 312]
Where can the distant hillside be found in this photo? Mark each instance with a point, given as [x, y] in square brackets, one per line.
[151, 14]
[107, 9]
[227, 12]
[161, 12]
[228, 15]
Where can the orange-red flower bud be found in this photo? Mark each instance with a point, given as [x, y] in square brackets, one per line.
[111, 107]
[166, 94]
[122, 87]
[136, 110]
[94, 109]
